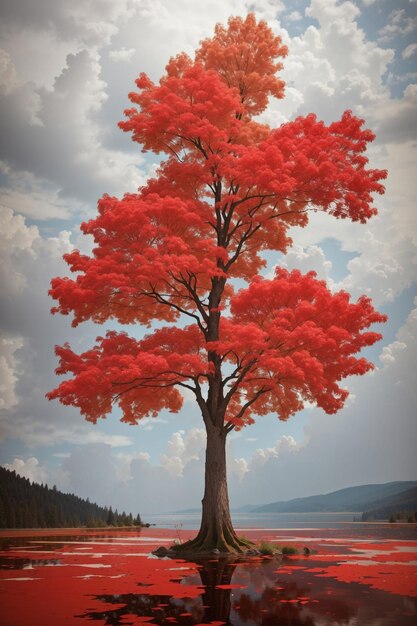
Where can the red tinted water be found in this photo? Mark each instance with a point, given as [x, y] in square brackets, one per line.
[56, 579]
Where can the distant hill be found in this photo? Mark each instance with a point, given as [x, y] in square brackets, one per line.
[358, 499]
[401, 506]
[28, 505]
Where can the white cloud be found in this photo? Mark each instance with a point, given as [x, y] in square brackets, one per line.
[9, 368]
[149, 423]
[390, 353]
[332, 12]
[286, 444]
[237, 468]
[34, 198]
[17, 240]
[23, 253]
[89, 22]
[28, 261]
[123, 54]
[30, 50]
[30, 468]
[9, 80]
[383, 269]
[38, 433]
[181, 449]
[399, 24]
[295, 16]
[267, 9]
[62, 155]
[333, 67]
[311, 258]
[59, 113]
[397, 123]
[409, 51]
[405, 372]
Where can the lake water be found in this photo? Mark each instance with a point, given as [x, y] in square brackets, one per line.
[355, 574]
[258, 520]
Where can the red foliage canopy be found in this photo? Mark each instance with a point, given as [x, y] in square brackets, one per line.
[229, 190]
[287, 340]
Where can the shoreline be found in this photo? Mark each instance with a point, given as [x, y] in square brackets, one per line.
[161, 532]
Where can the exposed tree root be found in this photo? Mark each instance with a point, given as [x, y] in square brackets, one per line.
[207, 540]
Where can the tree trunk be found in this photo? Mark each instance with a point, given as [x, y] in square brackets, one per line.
[216, 529]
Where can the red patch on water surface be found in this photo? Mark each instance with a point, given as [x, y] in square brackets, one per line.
[406, 557]
[74, 586]
[392, 578]
[391, 569]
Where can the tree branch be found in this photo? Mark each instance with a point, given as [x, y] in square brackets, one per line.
[229, 426]
[162, 300]
[236, 384]
[194, 296]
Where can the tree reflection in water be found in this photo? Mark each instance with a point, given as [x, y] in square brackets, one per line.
[109, 580]
[255, 593]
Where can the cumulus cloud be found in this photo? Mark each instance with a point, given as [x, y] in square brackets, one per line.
[173, 483]
[339, 68]
[28, 338]
[29, 468]
[390, 353]
[62, 150]
[32, 198]
[181, 449]
[261, 456]
[9, 366]
[78, 21]
[17, 241]
[397, 123]
[402, 353]
[383, 269]
[311, 258]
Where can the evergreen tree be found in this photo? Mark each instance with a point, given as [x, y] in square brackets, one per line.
[29, 505]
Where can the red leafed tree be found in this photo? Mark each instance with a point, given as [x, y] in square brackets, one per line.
[229, 189]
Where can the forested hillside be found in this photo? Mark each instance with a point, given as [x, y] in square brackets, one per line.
[358, 498]
[400, 507]
[28, 505]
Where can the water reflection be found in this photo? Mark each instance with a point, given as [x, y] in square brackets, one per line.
[25, 563]
[110, 579]
[256, 593]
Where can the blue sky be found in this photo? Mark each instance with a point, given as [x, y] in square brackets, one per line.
[66, 70]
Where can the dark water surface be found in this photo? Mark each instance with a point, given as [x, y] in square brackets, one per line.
[355, 575]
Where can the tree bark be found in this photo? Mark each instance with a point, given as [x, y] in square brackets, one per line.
[216, 530]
